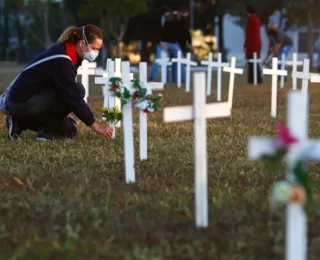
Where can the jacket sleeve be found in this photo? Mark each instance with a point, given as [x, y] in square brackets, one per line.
[71, 91]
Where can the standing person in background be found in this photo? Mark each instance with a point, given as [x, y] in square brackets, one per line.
[165, 11]
[252, 42]
[279, 43]
[185, 39]
[170, 39]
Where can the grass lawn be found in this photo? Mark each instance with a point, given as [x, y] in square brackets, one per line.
[69, 200]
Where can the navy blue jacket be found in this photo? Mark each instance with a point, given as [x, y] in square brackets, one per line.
[58, 74]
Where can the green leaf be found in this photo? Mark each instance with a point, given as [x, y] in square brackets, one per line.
[302, 177]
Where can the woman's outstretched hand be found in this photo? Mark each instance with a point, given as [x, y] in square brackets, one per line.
[105, 131]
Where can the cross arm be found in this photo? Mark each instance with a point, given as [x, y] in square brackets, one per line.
[100, 72]
[184, 113]
[315, 78]
[259, 146]
[275, 72]
[101, 80]
[312, 153]
[235, 70]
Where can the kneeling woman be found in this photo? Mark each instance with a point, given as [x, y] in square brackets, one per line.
[43, 95]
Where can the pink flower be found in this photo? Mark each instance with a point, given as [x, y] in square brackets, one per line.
[286, 138]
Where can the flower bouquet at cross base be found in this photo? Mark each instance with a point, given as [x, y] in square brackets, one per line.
[296, 190]
[135, 93]
[112, 115]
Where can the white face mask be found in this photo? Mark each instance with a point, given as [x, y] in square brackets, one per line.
[90, 55]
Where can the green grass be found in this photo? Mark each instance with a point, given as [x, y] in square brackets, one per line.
[69, 200]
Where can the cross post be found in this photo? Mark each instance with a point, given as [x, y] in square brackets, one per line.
[274, 72]
[143, 116]
[296, 221]
[304, 75]
[87, 68]
[214, 64]
[164, 62]
[178, 60]
[255, 62]
[128, 128]
[187, 61]
[282, 63]
[199, 112]
[294, 63]
[232, 70]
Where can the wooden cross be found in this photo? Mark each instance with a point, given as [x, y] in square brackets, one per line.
[128, 128]
[232, 70]
[297, 115]
[164, 62]
[275, 73]
[199, 112]
[255, 62]
[214, 64]
[187, 61]
[294, 63]
[143, 116]
[178, 60]
[304, 75]
[87, 68]
[282, 64]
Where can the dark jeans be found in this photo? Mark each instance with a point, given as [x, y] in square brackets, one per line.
[45, 112]
[251, 73]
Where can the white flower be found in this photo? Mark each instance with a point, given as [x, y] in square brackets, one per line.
[144, 105]
[281, 192]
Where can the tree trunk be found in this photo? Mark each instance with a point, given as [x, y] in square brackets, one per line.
[310, 33]
[47, 38]
[5, 43]
[118, 50]
[221, 38]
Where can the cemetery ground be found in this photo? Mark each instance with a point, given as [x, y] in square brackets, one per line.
[69, 200]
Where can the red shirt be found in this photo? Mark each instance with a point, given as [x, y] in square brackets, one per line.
[253, 38]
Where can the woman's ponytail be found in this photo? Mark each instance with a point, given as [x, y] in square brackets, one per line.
[71, 34]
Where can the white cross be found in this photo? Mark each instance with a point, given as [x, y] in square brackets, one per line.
[199, 112]
[275, 73]
[304, 75]
[178, 60]
[282, 63]
[86, 69]
[219, 65]
[232, 70]
[164, 62]
[143, 116]
[297, 114]
[102, 72]
[294, 63]
[128, 128]
[187, 61]
[255, 62]
[108, 100]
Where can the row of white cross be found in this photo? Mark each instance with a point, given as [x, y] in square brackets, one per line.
[304, 75]
[296, 224]
[164, 62]
[113, 69]
[296, 227]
